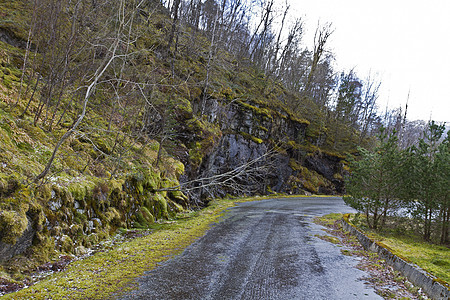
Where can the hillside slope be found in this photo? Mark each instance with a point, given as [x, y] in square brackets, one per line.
[169, 133]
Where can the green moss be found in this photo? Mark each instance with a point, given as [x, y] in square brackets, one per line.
[256, 140]
[9, 185]
[338, 176]
[143, 218]
[112, 216]
[184, 108]
[66, 244]
[81, 189]
[330, 219]
[295, 165]
[251, 137]
[225, 92]
[333, 154]
[12, 225]
[329, 238]
[195, 154]
[77, 145]
[173, 208]
[263, 128]
[178, 197]
[7, 82]
[177, 167]
[259, 111]
[159, 206]
[147, 215]
[298, 120]
[152, 180]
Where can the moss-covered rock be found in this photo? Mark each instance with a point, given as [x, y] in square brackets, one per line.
[12, 226]
[66, 244]
[143, 218]
[159, 206]
[113, 217]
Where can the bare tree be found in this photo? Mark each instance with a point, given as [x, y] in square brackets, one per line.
[290, 49]
[244, 178]
[175, 10]
[367, 112]
[320, 39]
[212, 50]
[107, 54]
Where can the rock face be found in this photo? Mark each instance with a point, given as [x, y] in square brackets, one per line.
[7, 250]
[327, 166]
[259, 151]
[10, 38]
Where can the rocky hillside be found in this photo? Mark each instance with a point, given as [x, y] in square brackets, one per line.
[170, 132]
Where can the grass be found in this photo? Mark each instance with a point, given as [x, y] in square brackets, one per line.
[109, 273]
[329, 219]
[387, 282]
[435, 259]
[409, 244]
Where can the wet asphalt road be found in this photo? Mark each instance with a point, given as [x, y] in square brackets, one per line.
[261, 250]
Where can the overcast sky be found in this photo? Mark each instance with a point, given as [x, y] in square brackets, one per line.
[406, 42]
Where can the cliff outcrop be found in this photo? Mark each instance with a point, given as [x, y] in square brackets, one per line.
[270, 147]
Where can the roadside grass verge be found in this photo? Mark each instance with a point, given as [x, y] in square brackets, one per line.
[406, 242]
[387, 282]
[435, 259]
[108, 273]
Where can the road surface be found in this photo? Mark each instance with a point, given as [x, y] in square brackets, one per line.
[261, 250]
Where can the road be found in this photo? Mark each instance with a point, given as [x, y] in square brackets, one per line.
[261, 250]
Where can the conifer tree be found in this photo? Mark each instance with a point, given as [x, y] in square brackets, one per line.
[423, 177]
[374, 181]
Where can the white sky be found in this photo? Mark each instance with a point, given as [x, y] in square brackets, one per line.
[407, 43]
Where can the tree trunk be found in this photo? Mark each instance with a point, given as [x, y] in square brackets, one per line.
[175, 8]
[445, 223]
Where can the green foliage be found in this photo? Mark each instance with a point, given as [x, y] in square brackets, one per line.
[349, 93]
[374, 180]
[12, 225]
[415, 179]
[425, 180]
